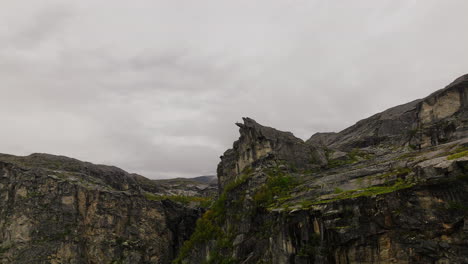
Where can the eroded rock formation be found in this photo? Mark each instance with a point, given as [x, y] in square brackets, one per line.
[258, 143]
[390, 189]
[55, 209]
[436, 119]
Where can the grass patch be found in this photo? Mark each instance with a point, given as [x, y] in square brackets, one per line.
[459, 152]
[277, 188]
[234, 184]
[396, 172]
[370, 191]
[458, 155]
[410, 156]
[338, 190]
[352, 157]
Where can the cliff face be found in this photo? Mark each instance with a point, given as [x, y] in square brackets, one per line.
[438, 118]
[390, 189]
[258, 143]
[59, 210]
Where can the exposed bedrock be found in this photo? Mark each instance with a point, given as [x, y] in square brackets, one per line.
[60, 210]
[390, 189]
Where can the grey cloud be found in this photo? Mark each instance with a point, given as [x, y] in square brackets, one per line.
[44, 24]
[156, 86]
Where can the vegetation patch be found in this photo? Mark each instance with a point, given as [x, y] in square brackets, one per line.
[209, 227]
[5, 248]
[237, 182]
[459, 152]
[352, 157]
[396, 172]
[411, 156]
[458, 155]
[370, 191]
[33, 194]
[338, 190]
[277, 188]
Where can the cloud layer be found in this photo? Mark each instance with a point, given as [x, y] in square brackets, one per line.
[155, 87]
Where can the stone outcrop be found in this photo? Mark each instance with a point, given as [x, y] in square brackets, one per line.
[259, 143]
[436, 119]
[56, 209]
[390, 189]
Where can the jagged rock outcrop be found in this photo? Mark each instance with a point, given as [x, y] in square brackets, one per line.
[56, 209]
[391, 189]
[258, 143]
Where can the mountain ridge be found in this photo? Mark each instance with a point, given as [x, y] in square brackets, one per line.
[389, 189]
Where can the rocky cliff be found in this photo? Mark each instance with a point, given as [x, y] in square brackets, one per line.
[258, 143]
[436, 119]
[390, 189]
[56, 209]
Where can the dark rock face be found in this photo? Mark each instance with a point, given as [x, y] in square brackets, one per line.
[59, 210]
[390, 189]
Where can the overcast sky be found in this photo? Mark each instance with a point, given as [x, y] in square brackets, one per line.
[155, 87]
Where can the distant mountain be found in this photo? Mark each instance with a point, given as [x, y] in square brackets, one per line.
[206, 179]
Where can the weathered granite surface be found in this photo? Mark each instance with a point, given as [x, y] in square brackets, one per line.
[390, 189]
[438, 118]
[258, 143]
